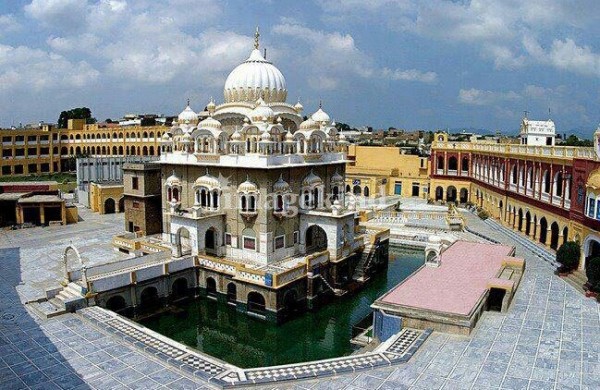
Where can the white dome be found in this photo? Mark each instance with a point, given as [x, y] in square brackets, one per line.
[248, 187]
[312, 180]
[309, 124]
[236, 136]
[320, 116]
[261, 111]
[187, 116]
[281, 185]
[173, 180]
[255, 78]
[208, 181]
[209, 122]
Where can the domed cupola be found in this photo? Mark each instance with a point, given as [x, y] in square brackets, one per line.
[173, 181]
[248, 187]
[309, 124]
[255, 78]
[337, 178]
[236, 136]
[289, 137]
[211, 106]
[207, 181]
[281, 185]
[312, 180]
[262, 112]
[187, 115]
[298, 107]
[210, 123]
[321, 116]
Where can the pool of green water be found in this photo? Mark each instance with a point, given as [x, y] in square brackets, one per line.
[218, 330]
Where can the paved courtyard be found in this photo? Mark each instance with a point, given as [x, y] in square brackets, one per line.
[550, 339]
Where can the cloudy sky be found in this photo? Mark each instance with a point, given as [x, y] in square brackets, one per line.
[405, 63]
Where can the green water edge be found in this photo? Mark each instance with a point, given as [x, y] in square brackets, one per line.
[218, 330]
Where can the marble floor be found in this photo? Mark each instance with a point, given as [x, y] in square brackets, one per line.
[549, 339]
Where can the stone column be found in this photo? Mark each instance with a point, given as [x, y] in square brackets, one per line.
[548, 237]
[42, 214]
[537, 232]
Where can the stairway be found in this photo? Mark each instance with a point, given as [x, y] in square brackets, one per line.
[70, 298]
[536, 249]
[336, 291]
[363, 263]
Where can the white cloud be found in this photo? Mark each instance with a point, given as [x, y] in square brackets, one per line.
[9, 24]
[64, 15]
[500, 30]
[23, 69]
[333, 58]
[478, 97]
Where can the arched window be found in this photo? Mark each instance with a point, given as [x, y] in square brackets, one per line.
[452, 164]
[546, 181]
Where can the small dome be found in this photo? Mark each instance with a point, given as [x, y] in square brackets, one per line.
[321, 116]
[209, 122]
[298, 107]
[236, 136]
[309, 124]
[337, 178]
[289, 136]
[265, 136]
[312, 180]
[593, 181]
[166, 137]
[262, 112]
[247, 187]
[187, 115]
[173, 180]
[187, 138]
[281, 185]
[207, 181]
[211, 105]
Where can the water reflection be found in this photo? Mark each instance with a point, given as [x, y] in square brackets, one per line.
[220, 331]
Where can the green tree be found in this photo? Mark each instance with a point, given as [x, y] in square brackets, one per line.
[75, 113]
[568, 255]
[573, 140]
[592, 271]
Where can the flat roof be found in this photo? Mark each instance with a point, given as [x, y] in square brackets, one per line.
[28, 183]
[41, 199]
[12, 195]
[457, 285]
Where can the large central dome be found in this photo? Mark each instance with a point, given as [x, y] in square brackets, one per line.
[255, 78]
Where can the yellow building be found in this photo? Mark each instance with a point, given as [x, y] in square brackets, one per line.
[376, 171]
[106, 198]
[47, 149]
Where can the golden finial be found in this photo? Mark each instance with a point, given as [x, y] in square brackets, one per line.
[256, 36]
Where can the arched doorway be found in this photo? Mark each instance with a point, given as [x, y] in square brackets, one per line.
[109, 206]
[452, 164]
[256, 303]
[356, 190]
[464, 195]
[121, 205]
[348, 189]
[231, 293]
[179, 289]
[527, 223]
[116, 303]
[439, 193]
[501, 210]
[554, 235]
[290, 302]
[149, 298]
[451, 194]
[366, 191]
[183, 243]
[543, 230]
[316, 239]
[565, 235]
[520, 225]
[211, 287]
[210, 241]
[591, 248]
